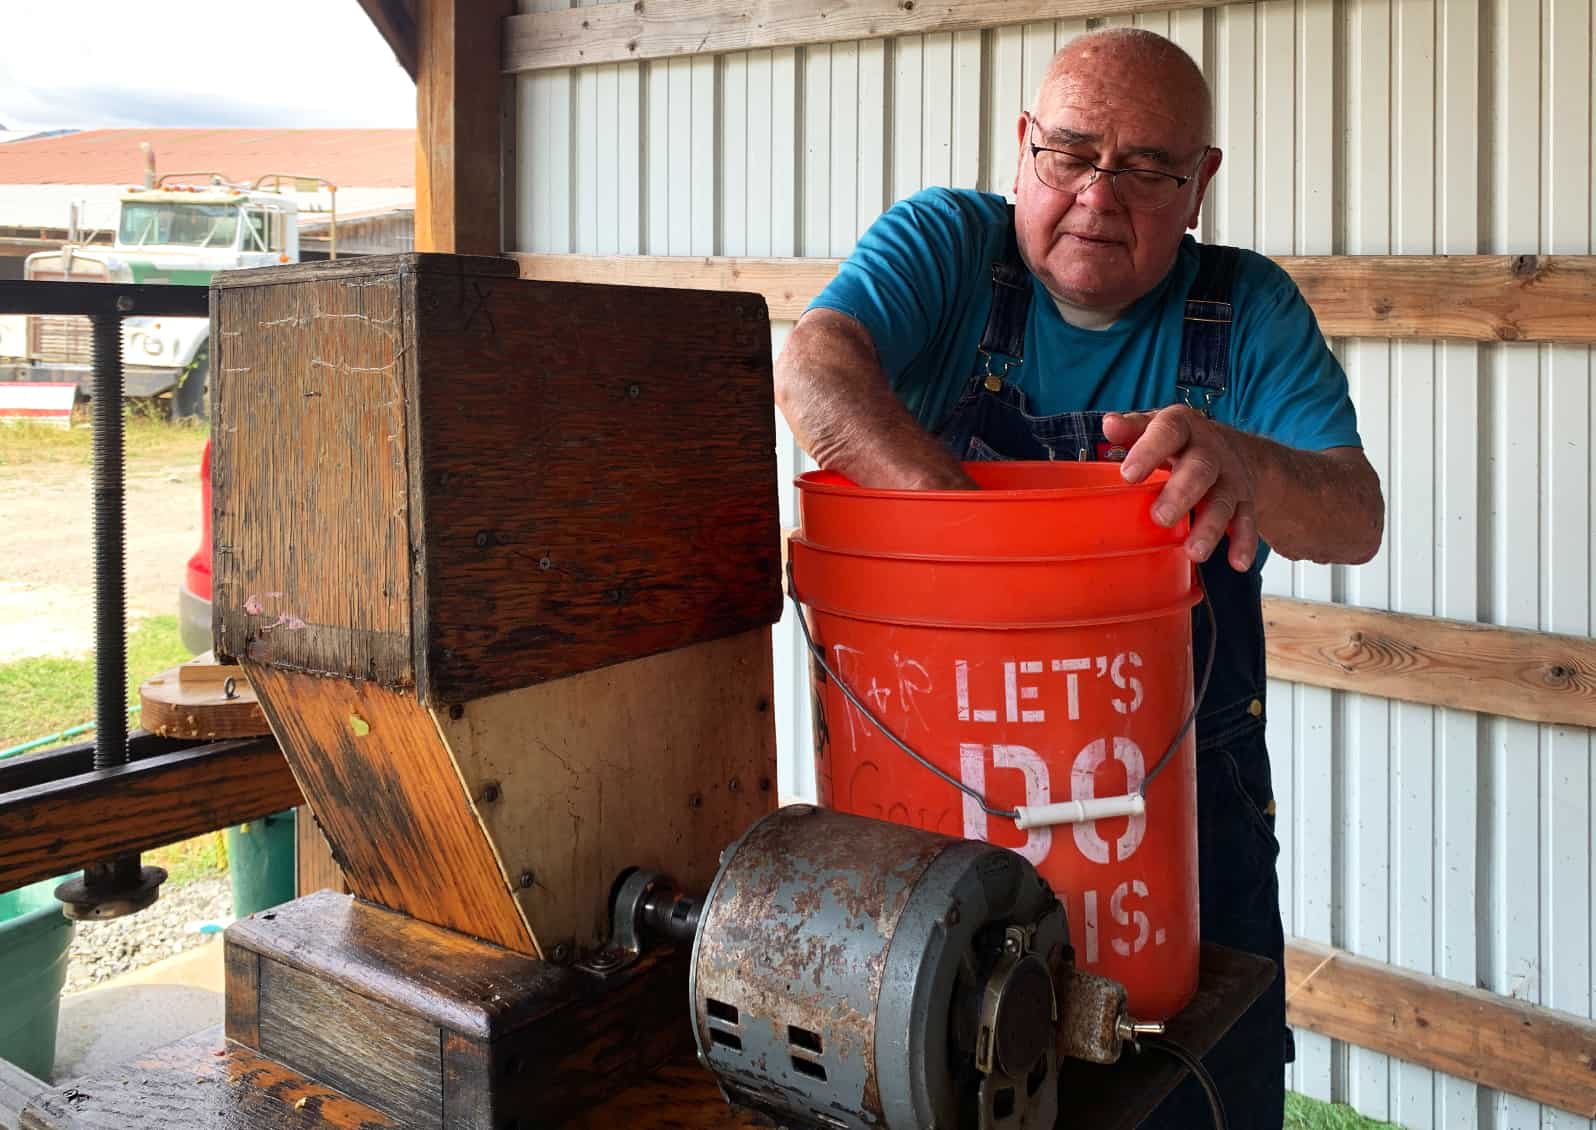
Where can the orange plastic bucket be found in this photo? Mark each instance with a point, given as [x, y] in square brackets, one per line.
[1032, 640]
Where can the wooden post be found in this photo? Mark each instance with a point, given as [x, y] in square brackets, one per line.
[459, 173]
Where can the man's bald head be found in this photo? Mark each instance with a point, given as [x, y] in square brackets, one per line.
[1141, 57]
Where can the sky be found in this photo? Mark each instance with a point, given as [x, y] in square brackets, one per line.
[97, 64]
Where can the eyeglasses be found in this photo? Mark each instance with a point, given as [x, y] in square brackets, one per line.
[1143, 190]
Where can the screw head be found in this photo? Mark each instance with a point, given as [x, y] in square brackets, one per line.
[490, 793]
[561, 952]
[545, 563]
[526, 879]
[634, 391]
[695, 801]
[457, 712]
[482, 539]
[124, 304]
[734, 785]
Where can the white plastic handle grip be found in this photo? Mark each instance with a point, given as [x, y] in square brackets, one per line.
[1079, 811]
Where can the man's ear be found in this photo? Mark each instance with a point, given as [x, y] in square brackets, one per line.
[1022, 131]
[1205, 173]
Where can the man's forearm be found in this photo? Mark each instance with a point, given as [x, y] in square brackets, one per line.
[830, 388]
[1323, 506]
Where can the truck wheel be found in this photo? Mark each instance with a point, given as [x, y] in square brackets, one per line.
[191, 399]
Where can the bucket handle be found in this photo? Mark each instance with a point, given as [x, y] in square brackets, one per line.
[1039, 815]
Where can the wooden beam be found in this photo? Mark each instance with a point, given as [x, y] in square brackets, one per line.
[396, 21]
[54, 828]
[1548, 298]
[1498, 1042]
[660, 29]
[1536, 676]
[458, 148]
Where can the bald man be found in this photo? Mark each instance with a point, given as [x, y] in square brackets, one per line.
[1086, 324]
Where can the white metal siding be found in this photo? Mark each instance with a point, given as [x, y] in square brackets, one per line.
[1438, 840]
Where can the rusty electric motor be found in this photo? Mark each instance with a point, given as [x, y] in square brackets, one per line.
[852, 973]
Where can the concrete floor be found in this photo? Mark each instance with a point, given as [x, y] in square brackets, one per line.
[137, 1012]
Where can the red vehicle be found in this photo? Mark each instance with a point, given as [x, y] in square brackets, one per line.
[194, 594]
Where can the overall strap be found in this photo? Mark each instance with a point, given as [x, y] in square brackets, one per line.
[1004, 333]
[1204, 372]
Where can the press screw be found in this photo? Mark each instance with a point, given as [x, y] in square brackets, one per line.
[526, 879]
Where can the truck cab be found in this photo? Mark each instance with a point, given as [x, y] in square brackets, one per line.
[180, 234]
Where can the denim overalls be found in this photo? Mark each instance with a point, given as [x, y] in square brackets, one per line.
[1237, 849]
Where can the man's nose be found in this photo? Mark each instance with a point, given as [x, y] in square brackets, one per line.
[1098, 195]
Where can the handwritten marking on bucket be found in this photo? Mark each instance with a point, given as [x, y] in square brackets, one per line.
[1032, 640]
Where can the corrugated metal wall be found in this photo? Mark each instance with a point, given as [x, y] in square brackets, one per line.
[1437, 840]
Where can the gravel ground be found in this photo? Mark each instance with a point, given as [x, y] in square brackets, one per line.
[102, 950]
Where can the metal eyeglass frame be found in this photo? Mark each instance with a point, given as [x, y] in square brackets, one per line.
[1112, 174]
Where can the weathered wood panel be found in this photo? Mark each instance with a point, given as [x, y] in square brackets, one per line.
[310, 508]
[380, 1056]
[655, 29]
[1469, 1033]
[1457, 297]
[470, 484]
[597, 473]
[201, 1081]
[52, 828]
[1531, 675]
[241, 1020]
[658, 763]
[315, 869]
[390, 802]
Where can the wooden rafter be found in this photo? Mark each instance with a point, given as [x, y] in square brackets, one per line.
[396, 20]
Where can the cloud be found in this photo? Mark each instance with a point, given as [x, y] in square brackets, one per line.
[106, 107]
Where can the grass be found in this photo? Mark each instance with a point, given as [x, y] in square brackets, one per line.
[146, 437]
[203, 857]
[41, 696]
[1303, 1113]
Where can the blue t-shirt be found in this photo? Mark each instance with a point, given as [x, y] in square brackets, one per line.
[920, 282]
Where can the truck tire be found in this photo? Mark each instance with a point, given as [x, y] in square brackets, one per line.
[191, 397]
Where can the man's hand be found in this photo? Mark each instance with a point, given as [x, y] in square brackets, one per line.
[1207, 474]
[1310, 505]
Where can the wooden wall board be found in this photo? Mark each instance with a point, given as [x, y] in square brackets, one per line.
[390, 802]
[1536, 676]
[1473, 1034]
[658, 763]
[1455, 297]
[657, 29]
[56, 827]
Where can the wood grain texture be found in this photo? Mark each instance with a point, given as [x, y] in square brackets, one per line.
[390, 802]
[377, 1055]
[516, 1035]
[656, 29]
[56, 827]
[1532, 675]
[434, 476]
[175, 708]
[1460, 297]
[308, 475]
[658, 763]
[458, 152]
[241, 1021]
[1495, 1041]
[203, 1081]
[597, 475]
[315, 869]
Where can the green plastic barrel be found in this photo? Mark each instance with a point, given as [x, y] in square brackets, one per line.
[260, 859]
[35, 939]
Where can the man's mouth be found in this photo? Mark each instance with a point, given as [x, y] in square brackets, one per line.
[1086, 237]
